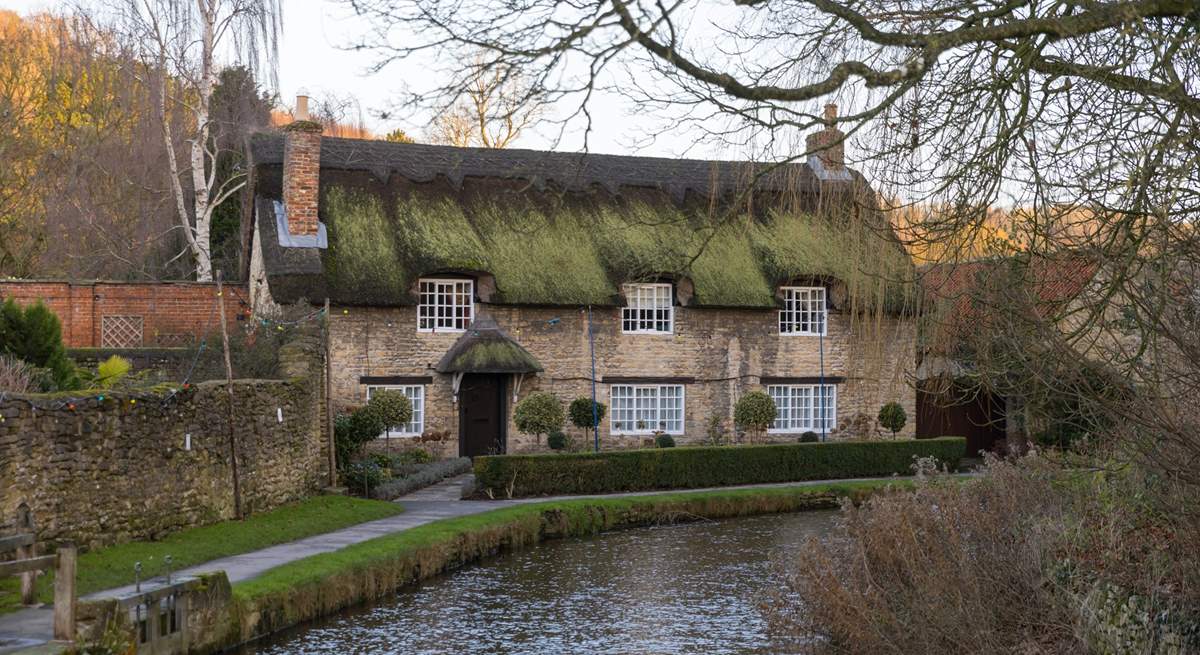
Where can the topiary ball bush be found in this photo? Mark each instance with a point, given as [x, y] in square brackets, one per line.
[664, 441]
[557, 440]
[581, 412]
[892, 417]
[539, 413]
[809, 437]
[392, 407]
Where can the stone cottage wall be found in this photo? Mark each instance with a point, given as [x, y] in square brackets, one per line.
[726, 352]
[107, 468]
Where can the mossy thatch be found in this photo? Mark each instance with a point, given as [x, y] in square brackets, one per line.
[485, 348]
[545, 250]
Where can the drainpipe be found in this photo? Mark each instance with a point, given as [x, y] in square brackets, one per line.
[821, 380]
[595, 411]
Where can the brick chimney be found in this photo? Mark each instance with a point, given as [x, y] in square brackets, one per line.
[301, 170]
[828, 144]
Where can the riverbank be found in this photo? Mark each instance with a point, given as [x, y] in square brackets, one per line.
[320, 585]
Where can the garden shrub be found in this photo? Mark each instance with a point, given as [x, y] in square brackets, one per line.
[363, 476]
[892, 417]
[582, 414]
[754, 412]
[664, 441]
[391, 407]
[34, 335]
[556, 440]
[809, 437]
[706, 466]
[413, 457]
[352, 431]
[421, 476]
[111, 371]
[539, 413]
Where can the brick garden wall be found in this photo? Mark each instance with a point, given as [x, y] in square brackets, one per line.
[170, 313]
[726, 351]
[119, 466]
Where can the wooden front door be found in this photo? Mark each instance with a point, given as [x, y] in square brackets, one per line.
[481, 417]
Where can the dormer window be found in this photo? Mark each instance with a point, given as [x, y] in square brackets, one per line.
[803, 311]
[648, 309]
[446, 305]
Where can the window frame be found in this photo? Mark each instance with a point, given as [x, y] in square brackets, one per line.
[418, 409]
[812, 426]
[630, 312]
[433, 317]
[658, 408]
[795, 312]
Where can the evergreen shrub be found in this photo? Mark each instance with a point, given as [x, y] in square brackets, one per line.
[707, 466]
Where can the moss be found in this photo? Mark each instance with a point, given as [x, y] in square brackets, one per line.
[494, 356]
[362, 254]
[543, 250]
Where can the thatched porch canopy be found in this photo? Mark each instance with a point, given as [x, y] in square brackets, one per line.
[485, 348]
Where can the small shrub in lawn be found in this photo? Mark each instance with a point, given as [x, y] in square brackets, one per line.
[706, 466]
[754, 413]
[556, 440]
[664, 441]
[810, 437]
[539, 413]
[892, 417]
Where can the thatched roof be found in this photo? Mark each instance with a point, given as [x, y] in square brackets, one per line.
[485, 348]
[567, 229]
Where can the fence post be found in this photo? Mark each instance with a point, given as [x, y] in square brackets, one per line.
[64, 594]
[28, 578]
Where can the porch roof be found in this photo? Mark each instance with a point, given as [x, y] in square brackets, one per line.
[485, 348]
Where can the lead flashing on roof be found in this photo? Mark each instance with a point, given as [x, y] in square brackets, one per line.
[289, 240]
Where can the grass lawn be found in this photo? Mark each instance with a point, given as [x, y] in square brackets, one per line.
[106, 568]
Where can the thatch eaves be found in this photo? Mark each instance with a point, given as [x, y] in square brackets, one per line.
[485, 348]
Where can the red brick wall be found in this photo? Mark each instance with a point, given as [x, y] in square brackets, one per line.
[172, 313]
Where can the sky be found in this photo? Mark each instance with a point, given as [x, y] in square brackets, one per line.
[313, 57]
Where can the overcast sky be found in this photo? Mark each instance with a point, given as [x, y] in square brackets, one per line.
[312, 56]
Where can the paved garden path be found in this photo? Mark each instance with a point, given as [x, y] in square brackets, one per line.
[440, 501]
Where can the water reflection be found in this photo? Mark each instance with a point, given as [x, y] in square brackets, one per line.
[691, 588]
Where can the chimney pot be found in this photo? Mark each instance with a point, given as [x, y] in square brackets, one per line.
[827, 144]
[830, 113]
[302, 105]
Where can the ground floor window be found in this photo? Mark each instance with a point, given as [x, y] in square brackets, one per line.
[416, 396]
[804, 407]
[646, 408]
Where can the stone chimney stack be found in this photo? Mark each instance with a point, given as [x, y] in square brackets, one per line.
[301, 170]
[828, 145]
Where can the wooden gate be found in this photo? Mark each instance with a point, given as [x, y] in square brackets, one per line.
[28, 563]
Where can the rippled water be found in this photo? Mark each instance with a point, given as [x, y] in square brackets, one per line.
[694, 588]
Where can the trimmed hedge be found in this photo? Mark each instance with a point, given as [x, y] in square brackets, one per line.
[500, 476]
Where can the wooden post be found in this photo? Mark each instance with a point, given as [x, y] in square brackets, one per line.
[233, 458]
[64, 594]
[29, 578]
[329, 395]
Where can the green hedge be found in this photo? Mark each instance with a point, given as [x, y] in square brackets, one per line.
[683, 468]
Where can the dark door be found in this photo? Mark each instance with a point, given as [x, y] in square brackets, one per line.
[950, 410]
[481, 416]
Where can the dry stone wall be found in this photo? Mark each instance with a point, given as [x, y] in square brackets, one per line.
[111, 467]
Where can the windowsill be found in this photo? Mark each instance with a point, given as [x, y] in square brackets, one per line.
[398, 436]
[803, 334]
[801, 430]
[653, 333]
[643, 434]
[441, 331]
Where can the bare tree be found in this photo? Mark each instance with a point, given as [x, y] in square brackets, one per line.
[495, 107]
[186, 40]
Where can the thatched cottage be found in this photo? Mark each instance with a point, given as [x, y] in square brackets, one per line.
[469, 278]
